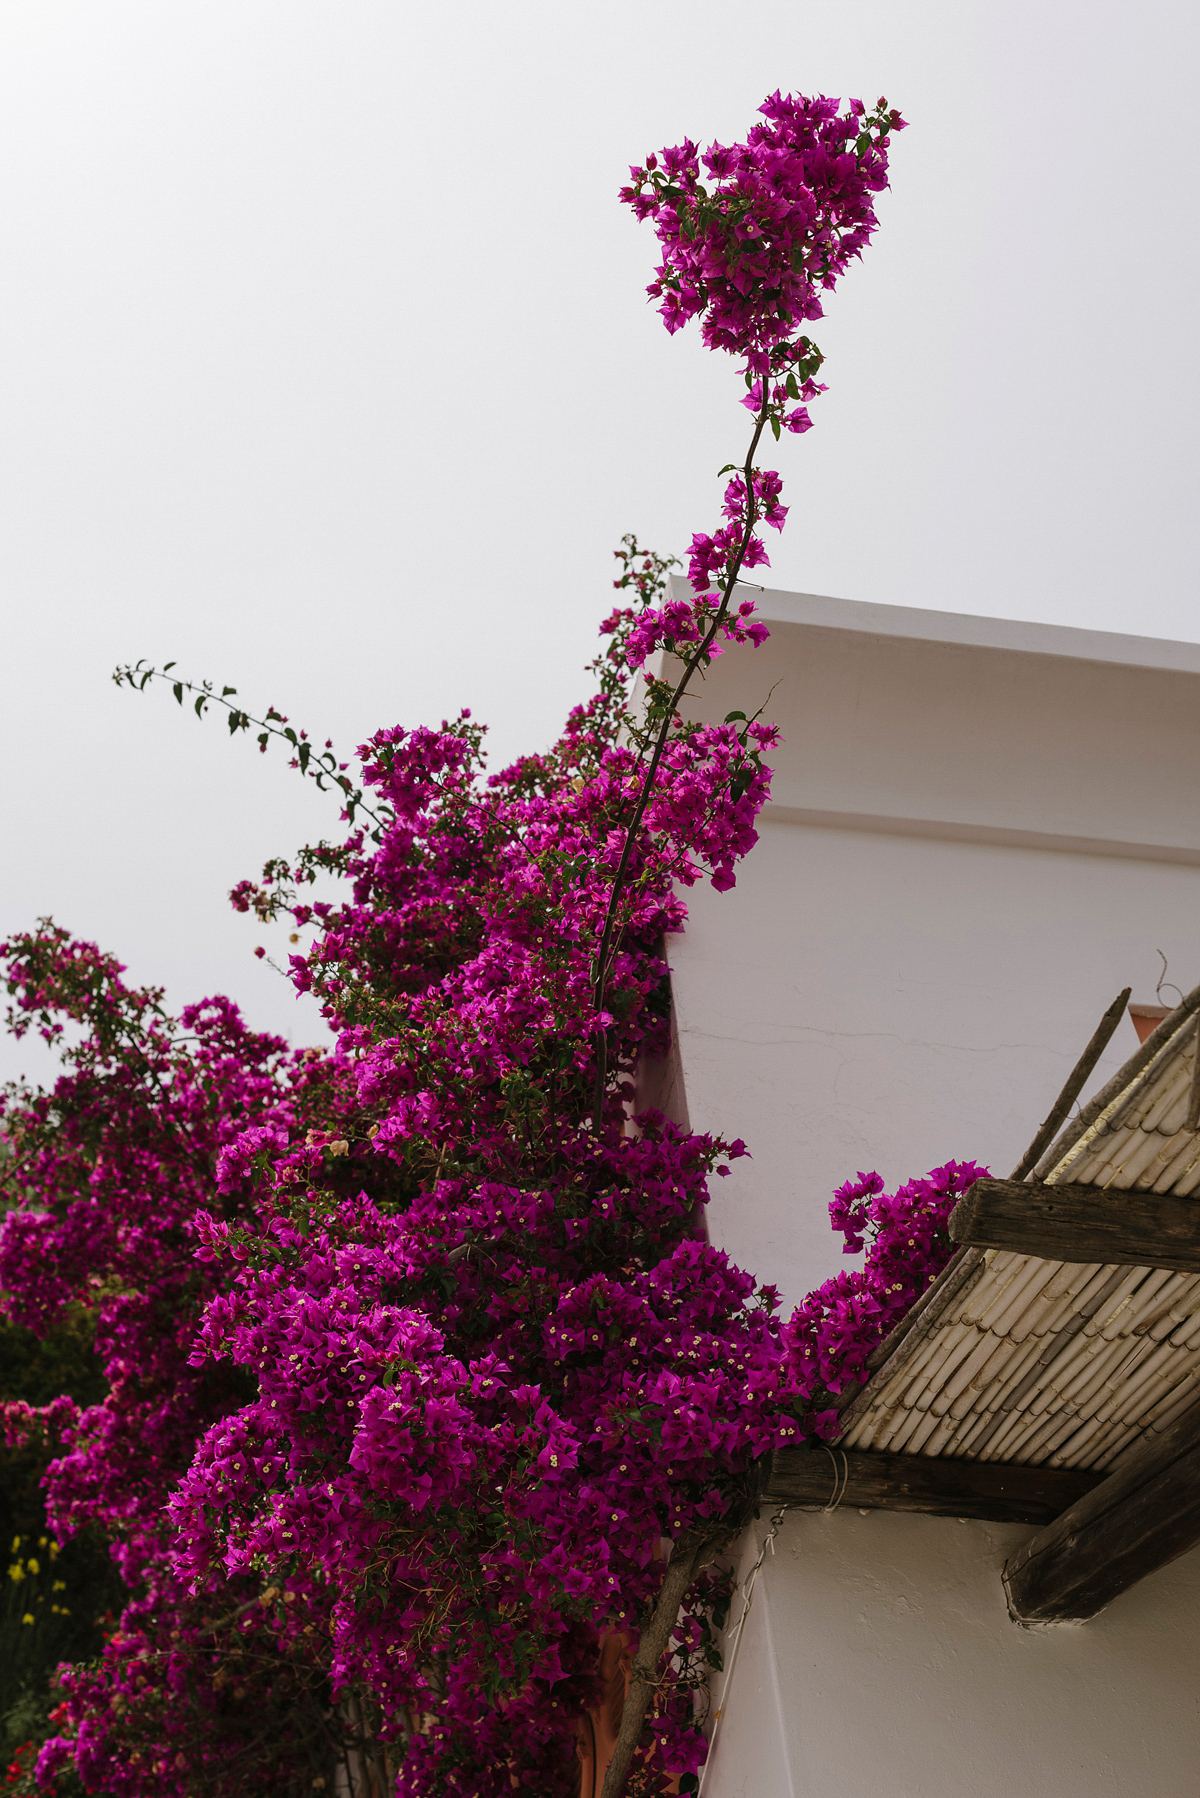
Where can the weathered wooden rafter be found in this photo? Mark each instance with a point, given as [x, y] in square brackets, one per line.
[1135, 1521]
[1080, 1223]
[1076, 1080]
[990, 1490]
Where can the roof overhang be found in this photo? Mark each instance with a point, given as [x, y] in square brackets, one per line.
[1051, 1374]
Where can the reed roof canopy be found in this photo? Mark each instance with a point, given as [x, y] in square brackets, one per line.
[1051, 1374]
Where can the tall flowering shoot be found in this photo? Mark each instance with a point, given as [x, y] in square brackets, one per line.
[454, 1407]
[749, 254]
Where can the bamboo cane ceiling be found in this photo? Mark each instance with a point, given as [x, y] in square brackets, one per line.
[1052, 1363]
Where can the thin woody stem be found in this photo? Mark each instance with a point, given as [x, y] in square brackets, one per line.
[607, 948]
[690, 1554]
[319, 766]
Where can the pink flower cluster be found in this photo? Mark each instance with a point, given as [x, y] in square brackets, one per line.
[492, 1362]
[680, 624]
[714, 558]
[779, 221]
[417, 1352]
[831, 1335]
[782, 216]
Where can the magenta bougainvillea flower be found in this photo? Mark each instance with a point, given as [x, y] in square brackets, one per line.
[780, 219]
[418, 1353]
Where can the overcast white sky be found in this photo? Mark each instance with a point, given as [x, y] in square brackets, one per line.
[326, 369]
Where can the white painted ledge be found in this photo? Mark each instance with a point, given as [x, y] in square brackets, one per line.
[954, 830]
[964, 629]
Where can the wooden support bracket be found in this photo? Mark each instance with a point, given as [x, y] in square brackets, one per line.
[1145, 1514]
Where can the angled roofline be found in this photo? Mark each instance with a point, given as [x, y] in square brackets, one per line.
[1164, 1041]
[964, 629]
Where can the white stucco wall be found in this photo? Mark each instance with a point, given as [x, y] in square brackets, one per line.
[879, 1662]
[980, 831]
[878, 1001]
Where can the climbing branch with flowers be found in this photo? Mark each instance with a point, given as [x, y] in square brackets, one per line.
[428, 1397]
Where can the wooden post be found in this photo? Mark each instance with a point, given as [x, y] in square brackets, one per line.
[1122, 1080]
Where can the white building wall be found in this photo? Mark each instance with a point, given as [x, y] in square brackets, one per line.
[879, 1662]
[980, 831]
[875, 1001]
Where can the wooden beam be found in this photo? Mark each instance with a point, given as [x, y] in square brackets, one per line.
[992, 1490]
[1141, 1517]
[1081, 1223]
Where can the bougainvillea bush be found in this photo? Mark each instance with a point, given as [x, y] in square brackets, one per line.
[424, 1381]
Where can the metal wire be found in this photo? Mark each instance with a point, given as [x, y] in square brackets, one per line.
[747, 1589]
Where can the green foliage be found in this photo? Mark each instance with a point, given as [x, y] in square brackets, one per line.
[318, 764]
[54, 1598]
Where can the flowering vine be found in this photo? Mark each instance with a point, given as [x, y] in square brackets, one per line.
[427, 1397]
[784, 215]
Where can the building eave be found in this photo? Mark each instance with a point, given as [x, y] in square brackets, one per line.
[967, 630]
[1085, 1360]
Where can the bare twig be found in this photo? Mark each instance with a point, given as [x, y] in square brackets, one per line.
[320, 765]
